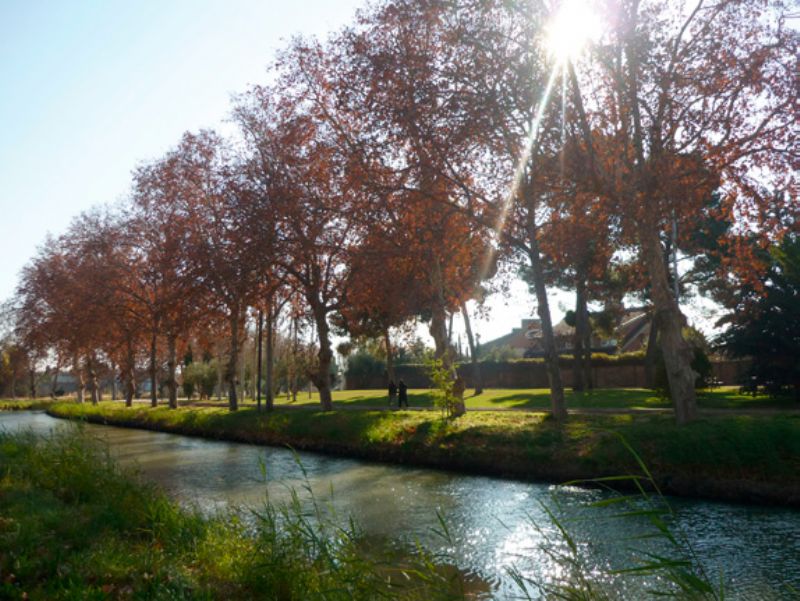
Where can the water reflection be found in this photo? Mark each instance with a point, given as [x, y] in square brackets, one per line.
[495, 524]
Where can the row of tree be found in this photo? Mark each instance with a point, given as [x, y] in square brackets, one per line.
[386, 174]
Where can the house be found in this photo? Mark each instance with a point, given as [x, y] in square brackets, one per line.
[632, 333]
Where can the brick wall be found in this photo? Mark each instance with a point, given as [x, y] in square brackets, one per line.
[525, 374]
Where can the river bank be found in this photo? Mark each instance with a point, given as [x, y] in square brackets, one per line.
[76, 525]
[754, 459]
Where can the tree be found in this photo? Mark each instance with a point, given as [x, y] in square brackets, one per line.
[159, 230]
[62, 298]
[764, 322]
[419, 151]
[671, 104]
[501, 71]
[578, 246]
[224, 241]
[301, 168]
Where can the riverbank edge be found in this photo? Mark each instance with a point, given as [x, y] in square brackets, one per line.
[454, 459]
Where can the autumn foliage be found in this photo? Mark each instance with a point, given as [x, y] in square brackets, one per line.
[384, 174]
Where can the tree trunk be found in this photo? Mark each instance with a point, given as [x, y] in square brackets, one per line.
[260, 344]
[293, 384]
[54, 379]
[130, 389]
[677, 353]
[220, 375]
[322, 377]
[438, 331]
[578, 355]
[438, 327]
[587, 350]
[476, 366]
[651, 353]
[32, 376]
[113, 382]
[557, 402]
[153, 371]
[268, 381]
[450, 329]
[172, 366]
[129, 376]
[81, 386]
[230, 372]
[93, 387]
[243, 374]
[390, 371]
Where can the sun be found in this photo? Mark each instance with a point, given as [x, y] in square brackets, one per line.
[573, 26]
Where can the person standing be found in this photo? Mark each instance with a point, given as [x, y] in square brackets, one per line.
[392, 393]
[403, 396]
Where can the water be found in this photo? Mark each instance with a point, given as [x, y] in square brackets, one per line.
[495, 524]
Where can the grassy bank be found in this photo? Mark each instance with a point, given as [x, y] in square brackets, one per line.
[74, 526]
[738, 458]
[25, 404]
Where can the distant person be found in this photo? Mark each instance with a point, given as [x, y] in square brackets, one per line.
[403, 396]
[392, 393]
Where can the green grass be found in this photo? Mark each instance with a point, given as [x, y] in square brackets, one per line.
[531, 399]
[726, 397]
[731, 457]
[74, 526]
[25, 404]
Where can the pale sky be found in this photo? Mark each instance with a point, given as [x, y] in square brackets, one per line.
[88, 89]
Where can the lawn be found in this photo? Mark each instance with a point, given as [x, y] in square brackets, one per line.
[726, 397]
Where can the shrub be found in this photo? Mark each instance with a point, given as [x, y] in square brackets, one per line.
[364, 364]
[200, 377]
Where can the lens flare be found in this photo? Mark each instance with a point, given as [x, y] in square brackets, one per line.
[573, 26]
[571, 29]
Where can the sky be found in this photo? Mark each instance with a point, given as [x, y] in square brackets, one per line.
[89, 89]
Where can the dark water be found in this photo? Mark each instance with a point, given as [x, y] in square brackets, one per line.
[495, 524]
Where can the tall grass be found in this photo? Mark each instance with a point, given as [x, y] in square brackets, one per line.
[76, 526]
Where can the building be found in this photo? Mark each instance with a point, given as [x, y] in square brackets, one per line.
[526, 341]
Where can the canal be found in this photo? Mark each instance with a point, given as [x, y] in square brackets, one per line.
[495, 525]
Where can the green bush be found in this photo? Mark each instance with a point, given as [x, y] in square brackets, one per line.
[200, 377]
[364, 364]
[566, 360]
